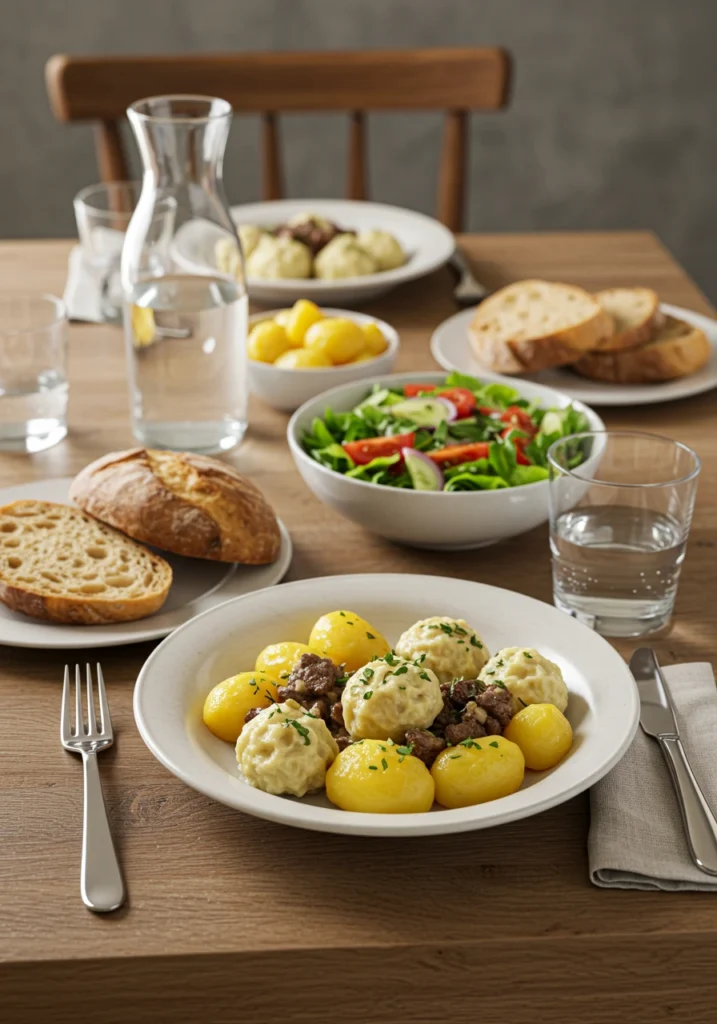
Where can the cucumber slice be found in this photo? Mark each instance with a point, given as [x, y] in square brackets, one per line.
[424, 473]
[552, 423]
[425, 412]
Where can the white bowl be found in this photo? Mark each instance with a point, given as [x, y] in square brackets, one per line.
[426, 519]
[427, 243]
[288, 389]
[172, 686]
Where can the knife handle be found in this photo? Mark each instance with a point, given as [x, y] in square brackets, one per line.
[700, 823]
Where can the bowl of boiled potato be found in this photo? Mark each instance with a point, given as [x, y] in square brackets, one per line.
[386, 704]
[297, 353]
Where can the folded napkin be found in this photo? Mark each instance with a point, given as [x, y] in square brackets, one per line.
[87, 279]
[637, 839]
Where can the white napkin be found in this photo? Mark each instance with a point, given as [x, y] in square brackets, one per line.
[86, 276]
[637, 839]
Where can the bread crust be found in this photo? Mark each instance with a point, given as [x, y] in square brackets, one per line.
[677, 351]
[636, 334]
[558, 348]
[188, 504]
[76, 612]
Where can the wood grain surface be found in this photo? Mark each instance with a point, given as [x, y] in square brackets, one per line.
[231, 918]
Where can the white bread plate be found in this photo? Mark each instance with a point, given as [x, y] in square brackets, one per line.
[426, 242]
[286, 389]
[428, 519]
[602, 708]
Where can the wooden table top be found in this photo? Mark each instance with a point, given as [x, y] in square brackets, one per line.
[234, 918]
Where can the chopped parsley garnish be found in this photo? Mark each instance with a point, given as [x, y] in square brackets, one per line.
[453, 757]
[301, 729]
[390, 658]
[367, 673]
[526, 655]
[459, 629]
[368, 694]
[342, 614]
[424, 675]
[500, 663]
[269, 697]
[475, 642]
[384, 763]
[420, 659]
[370, 636]
[372, 768]
[382, 747]
[401, 671]
[471, 744]
[522, 702]
[448, 630]
[254, 685]
[493, 743]
[402, 687]
[349, 622]
[497, 682]
[405, 751]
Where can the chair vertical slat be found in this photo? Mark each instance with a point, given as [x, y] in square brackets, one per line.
[356, 187]
[111, 159]
[454, 168]
[273, 187]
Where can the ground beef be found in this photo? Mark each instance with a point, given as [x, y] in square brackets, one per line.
[320, 708]
[425, 745]
[337, 713]
[460, 691]
[343, 740]
[472, 726]
[312, 676]
[316, 236]
[497, 701]
[252, 713]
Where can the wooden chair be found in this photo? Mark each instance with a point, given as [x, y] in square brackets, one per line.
[455, 80]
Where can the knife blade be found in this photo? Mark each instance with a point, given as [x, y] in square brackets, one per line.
[657, 717]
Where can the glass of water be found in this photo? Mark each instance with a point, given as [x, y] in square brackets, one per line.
[33, 371]
[620, 512]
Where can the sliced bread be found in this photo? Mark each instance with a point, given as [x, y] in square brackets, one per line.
[191, 505]
[533, 325]
[636, 315]
[59, 564]
[676, 350]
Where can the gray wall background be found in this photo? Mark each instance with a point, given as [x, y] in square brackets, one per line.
[613, 122]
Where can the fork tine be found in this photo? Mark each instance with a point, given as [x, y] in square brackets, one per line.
[104, 705]
[79, 718]
[66, 713]
[91, 718]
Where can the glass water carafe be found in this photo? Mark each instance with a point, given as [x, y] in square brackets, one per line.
[185, 320]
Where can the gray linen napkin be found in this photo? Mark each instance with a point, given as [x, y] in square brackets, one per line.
[84, 296]
[637, 840]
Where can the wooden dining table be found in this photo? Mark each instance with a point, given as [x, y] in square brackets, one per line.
[231, 918]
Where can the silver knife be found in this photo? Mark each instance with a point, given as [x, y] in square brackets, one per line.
[657, 719]
[468, 291]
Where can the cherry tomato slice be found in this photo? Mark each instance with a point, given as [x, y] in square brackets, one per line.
[518, 419]
[487, 410]
[457, 453]
[363, 452]
[520, 457]
[463, 399]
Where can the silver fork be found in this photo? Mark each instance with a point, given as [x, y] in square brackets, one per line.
[101, 883]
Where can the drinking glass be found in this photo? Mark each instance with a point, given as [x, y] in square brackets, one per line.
[33, 371]
[103, 213]
[185, 320]
[620, 512]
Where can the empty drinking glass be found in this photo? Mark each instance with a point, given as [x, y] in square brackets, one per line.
[33, 371]
[620, 512]
[103, 213]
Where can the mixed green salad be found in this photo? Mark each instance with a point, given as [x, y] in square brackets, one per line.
[461, 435]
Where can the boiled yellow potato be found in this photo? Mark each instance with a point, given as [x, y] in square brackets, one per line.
[339, 339]
[364, 357]
[143, 326]
[373, 338]
[267, 341]
[543, 733]
[227, 704]
[302, 315]
[277, 660]
[302, 359]
[379, 778]
[282, 317]
[476, 771]
[347, 639]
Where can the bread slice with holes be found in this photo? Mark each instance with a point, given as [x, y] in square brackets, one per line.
[635, 313]
[677, 350]
[61, 565]
[533, 325]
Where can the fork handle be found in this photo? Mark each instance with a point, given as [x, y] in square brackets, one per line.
[101, 881]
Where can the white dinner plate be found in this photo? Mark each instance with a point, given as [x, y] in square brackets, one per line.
[452, 350]
[427, 243]
[198, 585]
[170, 691]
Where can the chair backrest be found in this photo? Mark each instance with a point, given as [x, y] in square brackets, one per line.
[455, 80]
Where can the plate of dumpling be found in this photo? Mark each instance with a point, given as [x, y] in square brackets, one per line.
[327, 250]
[384, 704]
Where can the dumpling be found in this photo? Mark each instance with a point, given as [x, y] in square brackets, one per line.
[226, 256]
[388, 696]
[528, 676]
[276, 258]
[284, 749]
[384, 247]
[344, 257]
[450, 647]
[249, 235]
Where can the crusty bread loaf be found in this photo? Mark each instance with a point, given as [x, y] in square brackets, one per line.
[58, 564]
[635, 313]
[188, 504]
[533, 325]
[677, 350]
